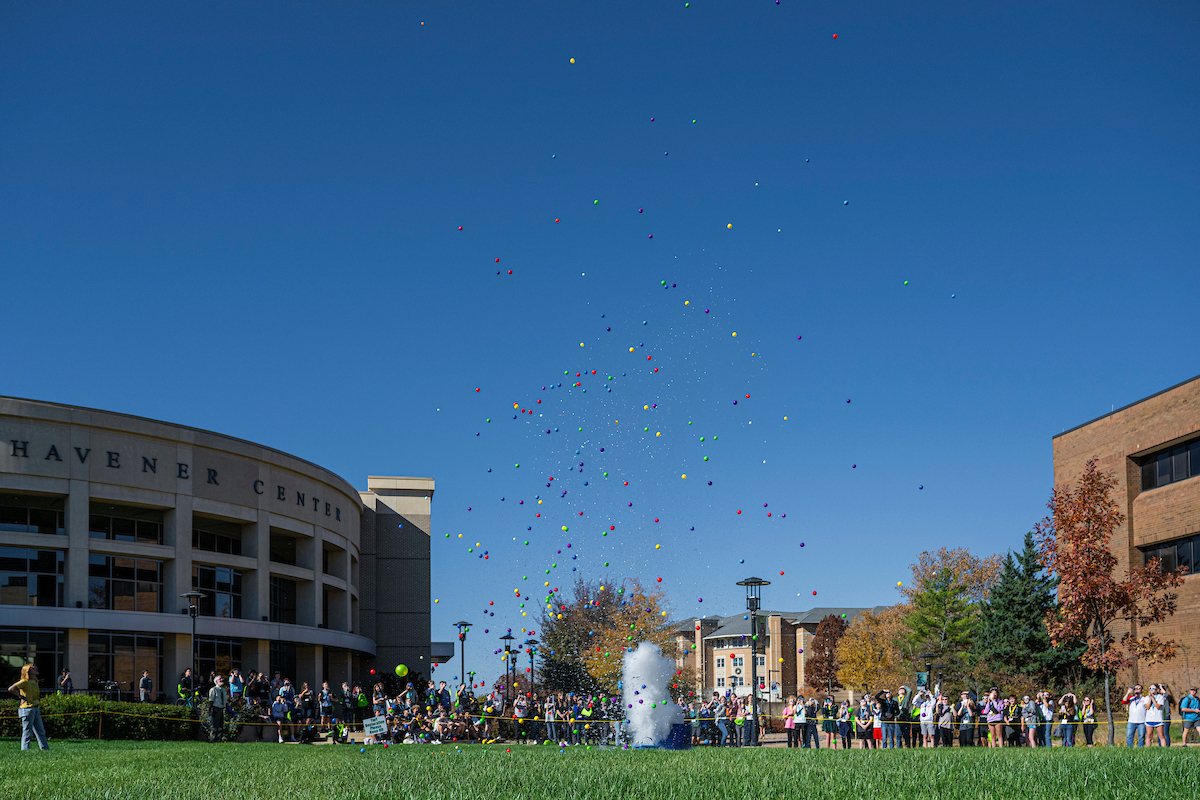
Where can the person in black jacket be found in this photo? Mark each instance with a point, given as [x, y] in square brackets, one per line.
[889, 710]
[966, 713]
[811, 725]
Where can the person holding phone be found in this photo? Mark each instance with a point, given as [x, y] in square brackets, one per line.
[1153, 702]
[1135, 728]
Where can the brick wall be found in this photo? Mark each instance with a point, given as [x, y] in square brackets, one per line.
[1168, 512]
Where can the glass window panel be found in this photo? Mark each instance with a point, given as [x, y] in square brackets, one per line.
[13, 559]
[206, 606]
[122, 594]
[97, 670]
[208, 541]
[97, 643]
[97, 593]
[149, 570]
[46, 641]
[1179, 462]
[224, 605]
[98, 527]
[47, 590]
[149, 532]
[1194, 458]
[1183, 554]
[206, 649]
[236, 546]
[222, 544]
[208, 578]
[97, 565]
[1163, 465]
[43, 561]
[43, 520]
[14, 589]
[124, 568]
[1167, 554]
[122, 645]
[236, 609]
[123, 530]
[13, 519]
[149, 597]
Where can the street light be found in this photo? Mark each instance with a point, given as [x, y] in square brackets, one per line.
[753, 600]
[531, 648]
[507, 638]
[928, 668]
[192, 597]
[463, 628]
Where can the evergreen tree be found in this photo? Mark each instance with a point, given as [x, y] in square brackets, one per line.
[943, 618]
[1012, 636]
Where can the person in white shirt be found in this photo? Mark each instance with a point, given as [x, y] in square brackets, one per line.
[928, 722]
[1136, 727]
[1153, 704]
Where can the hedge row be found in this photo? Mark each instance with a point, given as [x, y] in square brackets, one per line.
[89, 717]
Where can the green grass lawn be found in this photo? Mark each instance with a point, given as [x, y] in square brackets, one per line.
[139, 770]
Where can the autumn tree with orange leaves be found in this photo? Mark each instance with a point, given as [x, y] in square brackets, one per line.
[1073, 546]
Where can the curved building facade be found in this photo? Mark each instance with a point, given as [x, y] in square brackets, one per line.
[107, 519]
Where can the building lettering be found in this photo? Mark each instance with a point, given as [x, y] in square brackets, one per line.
[20, 449]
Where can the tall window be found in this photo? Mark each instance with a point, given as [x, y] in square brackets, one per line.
[19, 646]
[720, 682]
[283, 600]
[216, 536]
[720, 663]
[122, 583]
[283, 660]
[1170, 466]
[222, 590]
[125, 523]
[118, 656]
[283, 548]
[214, 654]
[21, 513]
[31, 577]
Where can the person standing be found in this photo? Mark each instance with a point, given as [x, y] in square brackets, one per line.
[1154, 715]
[944, 712]
[1068, 717]
[993, 713]
[863, 725]
[1189, 710]
[29, 712]
[186, 688]
[889, 710]
[965, 713]
[218, 698]
[789, 722]
[812, 714]
[1135, 728]
[145, 687]
[904, 717]
[829, 721]
[1087, 716]
[65, 686]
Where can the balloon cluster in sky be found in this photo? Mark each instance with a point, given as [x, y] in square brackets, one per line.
[626, 421]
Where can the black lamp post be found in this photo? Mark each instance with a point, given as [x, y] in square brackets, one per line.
[531, 648]
[753, 601]
[928, 670]
[463, 628]
[507, 639]
[192, 597]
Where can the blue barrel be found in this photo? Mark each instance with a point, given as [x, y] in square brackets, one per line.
[679, 739]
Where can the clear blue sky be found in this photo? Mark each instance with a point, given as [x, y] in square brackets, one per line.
[246, 219]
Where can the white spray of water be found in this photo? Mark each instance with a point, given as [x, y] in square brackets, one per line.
[648, 704]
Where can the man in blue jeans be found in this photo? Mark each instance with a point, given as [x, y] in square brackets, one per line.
[889, 710]
[1136, 727]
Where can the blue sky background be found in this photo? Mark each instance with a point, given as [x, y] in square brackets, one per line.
[246, 219]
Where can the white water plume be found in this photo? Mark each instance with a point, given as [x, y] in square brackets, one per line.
[648, 704]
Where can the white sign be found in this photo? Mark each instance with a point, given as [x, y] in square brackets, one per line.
[375, 726]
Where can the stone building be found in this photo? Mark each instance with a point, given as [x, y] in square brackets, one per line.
[106, 519]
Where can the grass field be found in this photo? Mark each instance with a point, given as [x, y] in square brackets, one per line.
[279, 772]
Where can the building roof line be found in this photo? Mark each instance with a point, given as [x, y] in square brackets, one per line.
[1125, 407]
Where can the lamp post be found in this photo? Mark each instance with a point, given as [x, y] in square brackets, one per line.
[928, 669]
[463, 628]
[753, 601]
[192, 597]
[531, 648]
[507, 639]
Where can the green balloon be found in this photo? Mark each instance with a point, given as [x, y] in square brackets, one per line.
[401, 670]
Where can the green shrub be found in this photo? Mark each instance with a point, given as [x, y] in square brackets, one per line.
[86, 717]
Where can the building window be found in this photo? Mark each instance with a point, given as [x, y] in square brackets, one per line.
[1175, 554]
[222, 590]
[720, 682]
[121, 657]
[283, 549]
[31, 514]
[122, 583]
[19, 646]
[283, 660]
[738, 661]
[125, 524]
[762, 661]
[215, 536]
[1170, 466]
[31, 577]
[218, 655]
[720, 663]
[283, 600]
[737, 680]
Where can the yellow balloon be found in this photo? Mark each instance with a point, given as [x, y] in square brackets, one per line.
[735, 333]
[684, 476]
[730, 225]
[572, 61]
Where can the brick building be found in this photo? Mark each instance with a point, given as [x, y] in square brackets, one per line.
[1153, 449]
[719, 648]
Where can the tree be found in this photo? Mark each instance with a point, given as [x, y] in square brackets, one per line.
[821, 666]
[942, 618]
[869, 652]
[978, 575]
[1012, 639]
[584, 639]
[1073, 545]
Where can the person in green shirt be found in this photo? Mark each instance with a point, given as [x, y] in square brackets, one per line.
[31, 716]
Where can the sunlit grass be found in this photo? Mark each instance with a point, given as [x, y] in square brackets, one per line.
[138, 770]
